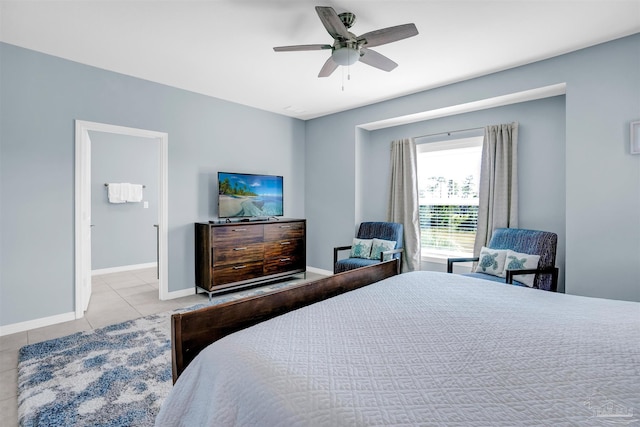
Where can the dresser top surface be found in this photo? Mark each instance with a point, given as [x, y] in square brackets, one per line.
[236, 222]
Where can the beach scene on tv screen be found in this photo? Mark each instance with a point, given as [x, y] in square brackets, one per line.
[249, 195]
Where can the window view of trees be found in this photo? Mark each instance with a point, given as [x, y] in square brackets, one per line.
[441, 188]
[448, 184]
[448, 229]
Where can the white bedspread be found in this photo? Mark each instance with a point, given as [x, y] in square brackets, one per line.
[422, 349]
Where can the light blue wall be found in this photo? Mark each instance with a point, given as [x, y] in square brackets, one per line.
[43, 95]
[123, 234]
[602, 180]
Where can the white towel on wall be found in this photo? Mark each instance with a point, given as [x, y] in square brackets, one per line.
[116, 193]
[135, 193]
[124, 192]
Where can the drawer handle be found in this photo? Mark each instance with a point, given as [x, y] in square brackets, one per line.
[238, 229]
[285, 226]
[239, 267]
[285, 259]
[239, 249]
[285, 243]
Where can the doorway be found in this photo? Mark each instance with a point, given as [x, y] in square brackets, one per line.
[83, 221]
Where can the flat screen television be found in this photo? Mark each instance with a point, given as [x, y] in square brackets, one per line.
[243, 195]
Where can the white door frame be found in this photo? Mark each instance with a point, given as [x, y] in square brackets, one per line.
[83, 207]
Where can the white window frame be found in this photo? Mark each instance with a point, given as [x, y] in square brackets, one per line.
[475, 141]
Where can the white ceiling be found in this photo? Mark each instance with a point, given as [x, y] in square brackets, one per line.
[223, 48]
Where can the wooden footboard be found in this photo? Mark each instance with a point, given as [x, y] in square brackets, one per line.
[192, 331]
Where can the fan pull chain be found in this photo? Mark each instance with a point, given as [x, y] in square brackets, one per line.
[348, 75]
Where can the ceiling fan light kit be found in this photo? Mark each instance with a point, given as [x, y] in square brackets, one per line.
[346, 55]
[347, 48]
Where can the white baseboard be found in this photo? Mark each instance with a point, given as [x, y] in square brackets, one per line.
[36, 323]
[123, 268]
[319, 271]
[66, 317]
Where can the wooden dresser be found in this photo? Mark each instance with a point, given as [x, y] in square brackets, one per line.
[239, 254]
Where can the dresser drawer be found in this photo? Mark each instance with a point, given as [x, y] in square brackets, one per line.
[235, 235]
[238, 253]
[282, 265]
[282, 248]
[237, 273]
[285, 231]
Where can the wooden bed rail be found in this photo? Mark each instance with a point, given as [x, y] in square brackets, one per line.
[192, 331]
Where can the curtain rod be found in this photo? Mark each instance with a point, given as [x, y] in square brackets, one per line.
[447, 133]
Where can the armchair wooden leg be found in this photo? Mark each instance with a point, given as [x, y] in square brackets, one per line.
[554, 280]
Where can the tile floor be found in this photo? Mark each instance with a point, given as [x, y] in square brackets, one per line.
[115, 298]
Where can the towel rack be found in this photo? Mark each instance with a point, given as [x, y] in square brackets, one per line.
[106, 184]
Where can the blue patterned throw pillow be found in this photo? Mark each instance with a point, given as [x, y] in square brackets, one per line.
[378, 246]
[520, 261]
[491, 261]
[361, 248]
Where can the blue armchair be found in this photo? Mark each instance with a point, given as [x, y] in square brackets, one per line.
[389, 231]
[531, 242]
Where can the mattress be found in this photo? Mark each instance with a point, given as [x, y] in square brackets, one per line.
[422, 348]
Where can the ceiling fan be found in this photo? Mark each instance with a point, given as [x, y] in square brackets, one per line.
[348, 48]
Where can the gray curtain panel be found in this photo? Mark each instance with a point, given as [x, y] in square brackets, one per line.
[498, 204]
[403, 200]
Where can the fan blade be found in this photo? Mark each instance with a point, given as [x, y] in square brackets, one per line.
[301, 47]
[332, 23]
[328, 68]
[388, 35]
[373, 58]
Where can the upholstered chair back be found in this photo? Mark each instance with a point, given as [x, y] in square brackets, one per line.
[370, 230]
[531, 242]
[382, 230]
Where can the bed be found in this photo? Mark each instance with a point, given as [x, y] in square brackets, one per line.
[418, 348]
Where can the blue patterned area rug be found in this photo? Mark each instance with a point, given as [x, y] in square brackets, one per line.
[114, 376]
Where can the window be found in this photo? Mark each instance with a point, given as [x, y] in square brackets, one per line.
[448, 184]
